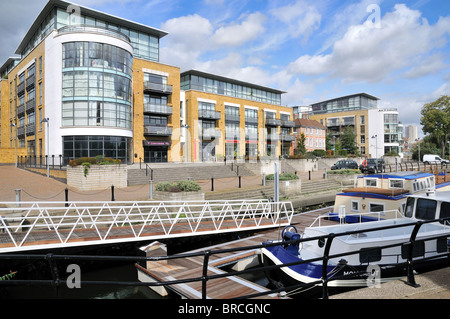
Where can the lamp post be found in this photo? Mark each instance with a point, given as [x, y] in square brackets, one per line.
[15, 141]
[46, 120]
[418, 143]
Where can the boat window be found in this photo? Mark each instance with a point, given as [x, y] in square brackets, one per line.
[409, 210]
[370, 182]
[441, 245]
[445, 212]
[368, 255]
[355, 206]
[426, 209]
[373, 208]
[395, 183]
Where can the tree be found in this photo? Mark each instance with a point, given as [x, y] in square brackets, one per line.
[348, 140]
[301, 148]
[436, 119]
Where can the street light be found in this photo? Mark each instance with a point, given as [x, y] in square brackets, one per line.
[418, 140]
[15, 140]
[46, 120]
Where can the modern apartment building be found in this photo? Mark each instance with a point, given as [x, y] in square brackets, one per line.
[376, 130]
[231, 118]
[86, 83]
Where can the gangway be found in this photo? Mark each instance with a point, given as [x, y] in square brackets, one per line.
[49, 225]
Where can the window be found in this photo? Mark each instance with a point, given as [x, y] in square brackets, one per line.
[355, 206]
[445, 212]
[426, 209]
[396, 183]
[375, 208]
[371, 182]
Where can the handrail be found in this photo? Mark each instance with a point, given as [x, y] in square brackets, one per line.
[396, 212]
[56, 282]
[103, 218]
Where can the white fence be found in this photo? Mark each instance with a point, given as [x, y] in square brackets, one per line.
[46, 225]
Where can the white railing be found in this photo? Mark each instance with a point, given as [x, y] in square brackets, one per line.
[377, 216]
[51, 224]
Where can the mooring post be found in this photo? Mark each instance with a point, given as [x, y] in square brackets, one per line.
[112, 193]
[212, 184]
[66, 191]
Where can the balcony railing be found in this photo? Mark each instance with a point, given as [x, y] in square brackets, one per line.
[334, 122]
[21, 110]
[251, 120]
[158, 109]
[287, 138]
[287, 123]
[94, 29]
[273, 137]
[152, 130]
[211, 134]
[232, 135]
[21, 88]
[31, 129]
[251, 136]
[207, 114]
[158, 88]
[30, 105]
[21, 132]
[30, 81]
[273, 122]
[232, 118]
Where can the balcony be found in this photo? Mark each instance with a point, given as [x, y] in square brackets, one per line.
[31, 129]
[151, 130]
[96, 30]
[232, 118]
[251, 136]
[273, 122]
[287, 138]
[333, 122]
[348, 121]
[21, 88]
[21, 132]
[211, 134]
[21, 110]
[160, 88]
[158, 109]
[232, 135]
[210, 115]
[273, 137]
[251, 120]
[30, 81]
[287, 123]
[30, 106]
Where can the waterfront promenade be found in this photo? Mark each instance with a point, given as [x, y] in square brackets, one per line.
[36, 187]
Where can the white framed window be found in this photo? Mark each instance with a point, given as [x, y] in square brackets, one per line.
[354, 206]
[396, 183]
[376, 208]
[371, 182]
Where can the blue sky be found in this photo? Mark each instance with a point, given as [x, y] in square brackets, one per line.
[314, 50]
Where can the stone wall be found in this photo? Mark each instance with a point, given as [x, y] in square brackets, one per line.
[98, 177]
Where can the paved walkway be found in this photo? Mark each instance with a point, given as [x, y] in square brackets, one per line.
[36, 187]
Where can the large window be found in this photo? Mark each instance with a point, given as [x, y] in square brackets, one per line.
[91, 146]
[96, 85]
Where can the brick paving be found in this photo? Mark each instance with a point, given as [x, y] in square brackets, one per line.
[36, 187]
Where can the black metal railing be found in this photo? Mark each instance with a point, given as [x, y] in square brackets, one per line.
[57, 282]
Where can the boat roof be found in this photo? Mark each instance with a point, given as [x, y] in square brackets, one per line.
[399, 175]
[376, 190]
[440, 196]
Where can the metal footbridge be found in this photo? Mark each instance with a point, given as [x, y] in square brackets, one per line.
[49, 225]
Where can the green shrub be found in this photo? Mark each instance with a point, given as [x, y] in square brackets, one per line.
[344, 172]
[98, 160]
[181, 186]
[282, 177]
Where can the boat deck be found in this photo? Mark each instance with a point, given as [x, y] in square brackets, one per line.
[225, 287]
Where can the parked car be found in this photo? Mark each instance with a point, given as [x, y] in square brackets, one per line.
[372, 166]
[345, 164]
[434, 159]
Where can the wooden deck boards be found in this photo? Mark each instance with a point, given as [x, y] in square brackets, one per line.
[227, 287]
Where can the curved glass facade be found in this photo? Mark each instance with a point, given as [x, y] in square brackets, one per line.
[97, 85]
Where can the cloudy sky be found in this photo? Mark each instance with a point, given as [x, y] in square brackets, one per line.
[396, 50]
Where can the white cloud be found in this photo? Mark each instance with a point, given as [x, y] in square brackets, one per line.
[238, 34]
[302, 19]
[367, 53]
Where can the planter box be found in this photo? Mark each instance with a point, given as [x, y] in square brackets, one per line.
[98, 177]
[288, 188]
[179, 196]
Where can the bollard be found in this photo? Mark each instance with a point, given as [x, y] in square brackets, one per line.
[151, 189]
[309, 175]
[112, 193]
[212, 184]
[240, 182]
[18, 196]
[264, 180]
[66, 191]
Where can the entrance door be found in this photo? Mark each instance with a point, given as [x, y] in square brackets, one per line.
[155, 154]
[208, 151]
